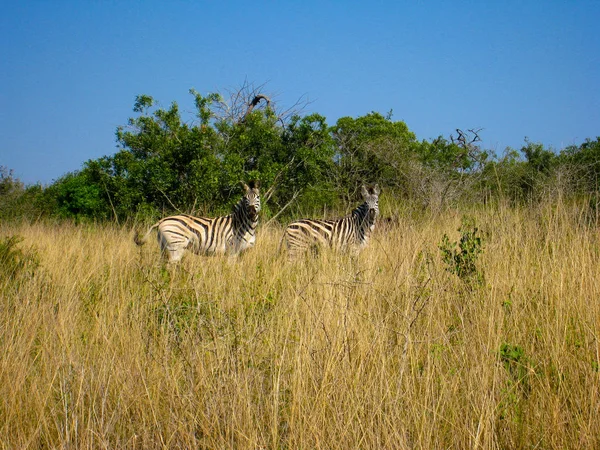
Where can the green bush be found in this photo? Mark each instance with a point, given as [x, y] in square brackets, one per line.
[461, 257]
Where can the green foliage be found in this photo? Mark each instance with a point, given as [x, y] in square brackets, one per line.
[75, 195]
[445, 156]
[142, 103]
[308, 152]
[10, 191]
[517, 365]
[511, 357]
[372, 148]
[461, 257]
[585, 160]
[17, 201]
[538, 158]
[539, 163]
[503, 177]
[169, 163]
[523, 175]
[518, 385]
[9, 185]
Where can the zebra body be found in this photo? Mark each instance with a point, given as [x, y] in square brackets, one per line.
[230, 234]
[351, 232]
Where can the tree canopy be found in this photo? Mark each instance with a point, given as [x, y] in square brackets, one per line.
[167, 163]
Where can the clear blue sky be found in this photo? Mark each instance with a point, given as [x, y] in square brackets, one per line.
[70, 71]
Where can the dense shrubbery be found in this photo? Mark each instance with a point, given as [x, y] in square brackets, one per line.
[18, 201]
[166, 164]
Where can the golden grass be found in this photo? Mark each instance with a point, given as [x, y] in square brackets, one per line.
[103, 347]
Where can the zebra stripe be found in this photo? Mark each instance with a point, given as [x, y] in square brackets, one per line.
[230, 234]
[350, 232]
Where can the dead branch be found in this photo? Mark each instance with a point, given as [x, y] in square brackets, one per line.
[284, 208]
[463, 140]
[239, 102]
[255, 101]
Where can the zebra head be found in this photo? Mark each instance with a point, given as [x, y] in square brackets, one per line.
[251, 199]
[371, 196]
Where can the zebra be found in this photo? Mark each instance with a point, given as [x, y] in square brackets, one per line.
[351, 232]
[230, 234]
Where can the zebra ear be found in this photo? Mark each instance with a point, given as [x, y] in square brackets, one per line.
[245, 186]
[376, 189]
[254, 184]
[364, 192]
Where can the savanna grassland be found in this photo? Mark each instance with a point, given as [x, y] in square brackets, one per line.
[103, 347]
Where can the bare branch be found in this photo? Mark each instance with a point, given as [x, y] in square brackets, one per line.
[475, 132]
[271, 190]
[239, 102]
[255, 101]
[293, 110]
[463, 140]
[168, 199]
[283, 209]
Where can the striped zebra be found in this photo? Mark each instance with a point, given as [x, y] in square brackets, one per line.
[351, 232]
[209, 236]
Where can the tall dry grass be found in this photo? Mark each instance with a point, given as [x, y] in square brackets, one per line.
[103, 347]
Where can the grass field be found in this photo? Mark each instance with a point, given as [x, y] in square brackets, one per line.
[103, 347]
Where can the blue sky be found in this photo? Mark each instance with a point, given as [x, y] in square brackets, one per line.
[70, 71]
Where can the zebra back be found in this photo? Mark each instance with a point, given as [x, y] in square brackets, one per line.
[352, 231]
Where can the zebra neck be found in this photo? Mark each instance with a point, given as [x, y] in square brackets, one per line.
[241, 219]
[360, 217]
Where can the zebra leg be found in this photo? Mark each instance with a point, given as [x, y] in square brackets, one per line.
[354, 251]
[292, 255]
[296, 252]
[292, 251]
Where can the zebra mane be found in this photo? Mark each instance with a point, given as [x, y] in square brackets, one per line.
[360, 213]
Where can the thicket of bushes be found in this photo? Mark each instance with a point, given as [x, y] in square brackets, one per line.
[168, 163]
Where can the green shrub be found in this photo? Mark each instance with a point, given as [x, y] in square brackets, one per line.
[461, 257]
